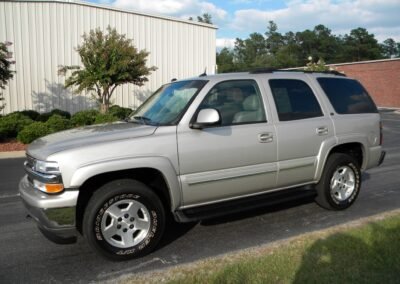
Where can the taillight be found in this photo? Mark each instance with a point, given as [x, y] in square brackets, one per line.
[380, 133]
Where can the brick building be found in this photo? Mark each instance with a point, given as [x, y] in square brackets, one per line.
[380, 77]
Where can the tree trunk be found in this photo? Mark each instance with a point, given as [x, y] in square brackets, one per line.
[104, 108]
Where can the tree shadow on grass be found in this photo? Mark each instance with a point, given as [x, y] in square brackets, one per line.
[348, 258]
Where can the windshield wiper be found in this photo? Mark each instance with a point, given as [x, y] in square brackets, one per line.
[143, 119]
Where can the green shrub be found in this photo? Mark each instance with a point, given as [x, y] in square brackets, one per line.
[43, 117]
[84, 117]
[62, 113]
[105, 118]
[13, 123]
[33, 131]
[120, 112]
[32, 114]
[58, 123]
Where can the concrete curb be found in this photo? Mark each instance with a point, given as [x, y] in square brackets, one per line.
[12, 154]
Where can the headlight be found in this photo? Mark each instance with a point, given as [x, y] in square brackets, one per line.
[46, 167]
[47, 178]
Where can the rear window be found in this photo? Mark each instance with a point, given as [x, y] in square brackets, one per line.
[347, 96]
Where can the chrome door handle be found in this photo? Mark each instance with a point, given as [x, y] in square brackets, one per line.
[265, 137]
[323, 130]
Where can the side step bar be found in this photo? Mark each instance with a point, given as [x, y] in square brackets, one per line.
[239, 205]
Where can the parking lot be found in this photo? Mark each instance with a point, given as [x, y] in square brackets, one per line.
[26, 256]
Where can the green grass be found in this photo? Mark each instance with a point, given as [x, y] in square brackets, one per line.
[367, 254]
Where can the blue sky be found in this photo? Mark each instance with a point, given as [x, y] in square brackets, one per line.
[239, 18]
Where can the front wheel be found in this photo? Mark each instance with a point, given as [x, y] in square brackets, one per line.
[340, 182]
[124, 219]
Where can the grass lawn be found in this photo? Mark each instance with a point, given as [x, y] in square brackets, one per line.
[366, 253]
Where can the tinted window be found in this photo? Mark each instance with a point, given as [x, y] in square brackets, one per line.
[294, 99]
[238, 102]
[347, 96]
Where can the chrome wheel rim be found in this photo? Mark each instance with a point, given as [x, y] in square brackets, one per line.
[343, 183]
[125, 223]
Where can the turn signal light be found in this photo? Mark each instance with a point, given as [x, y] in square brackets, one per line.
[49, 187]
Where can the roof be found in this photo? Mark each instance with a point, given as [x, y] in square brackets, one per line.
[112, 8]
[365, 62]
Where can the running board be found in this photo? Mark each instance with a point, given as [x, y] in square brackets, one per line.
[239, 205]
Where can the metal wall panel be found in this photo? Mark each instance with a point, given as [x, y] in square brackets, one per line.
[45, 34]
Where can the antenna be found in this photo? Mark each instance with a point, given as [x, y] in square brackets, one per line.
[204, 73]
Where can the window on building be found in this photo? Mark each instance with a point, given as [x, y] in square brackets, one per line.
[294, 99]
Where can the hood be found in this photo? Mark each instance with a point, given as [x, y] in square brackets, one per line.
[84, 136]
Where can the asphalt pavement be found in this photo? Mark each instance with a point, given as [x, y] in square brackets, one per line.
[27, 257]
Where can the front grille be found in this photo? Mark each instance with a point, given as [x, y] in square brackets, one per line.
[30, 161]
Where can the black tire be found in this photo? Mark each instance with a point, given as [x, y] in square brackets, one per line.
[106, 206]
[332, 192]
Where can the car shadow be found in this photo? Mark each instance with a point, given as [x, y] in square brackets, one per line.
[257, 212]
[348, 258]
[174, 230]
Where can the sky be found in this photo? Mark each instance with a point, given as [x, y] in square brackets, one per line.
[239, 18]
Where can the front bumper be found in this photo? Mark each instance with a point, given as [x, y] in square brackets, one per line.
[54, 214]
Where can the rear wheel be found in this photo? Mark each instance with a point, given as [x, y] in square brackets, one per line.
[124, 219]
[340, 182]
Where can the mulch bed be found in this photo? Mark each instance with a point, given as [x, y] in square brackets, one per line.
[12, 145]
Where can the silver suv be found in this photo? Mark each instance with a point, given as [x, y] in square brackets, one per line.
[199, 148]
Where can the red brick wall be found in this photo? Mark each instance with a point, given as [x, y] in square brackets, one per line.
[380, 78]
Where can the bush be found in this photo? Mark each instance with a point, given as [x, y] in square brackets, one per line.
[105, 118]
[43, 117]
[120, 112]
[30, 113]
[85, 117]
[58, 123]
[13, 123]
[33, 131]
[62, 113]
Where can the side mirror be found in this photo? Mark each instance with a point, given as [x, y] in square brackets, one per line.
[207, 117]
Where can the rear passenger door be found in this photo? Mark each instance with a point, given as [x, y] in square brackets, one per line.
[302, 127]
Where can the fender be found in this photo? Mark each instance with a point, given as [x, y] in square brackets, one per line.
[161, 164]
[331, 143]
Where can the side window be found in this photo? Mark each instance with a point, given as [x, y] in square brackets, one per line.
[294, 99]
[347, 96]
[238, 102]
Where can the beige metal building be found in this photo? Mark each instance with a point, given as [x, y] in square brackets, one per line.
[45, 34]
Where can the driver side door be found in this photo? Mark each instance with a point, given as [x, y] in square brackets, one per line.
[236, 158]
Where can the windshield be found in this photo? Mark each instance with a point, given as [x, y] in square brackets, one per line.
[167, 104]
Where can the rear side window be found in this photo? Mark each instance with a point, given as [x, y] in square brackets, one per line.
[347, 96]
[294, 99]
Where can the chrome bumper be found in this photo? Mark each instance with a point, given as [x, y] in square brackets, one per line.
[54, 214]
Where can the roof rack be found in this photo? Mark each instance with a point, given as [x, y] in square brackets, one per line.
[273, 70]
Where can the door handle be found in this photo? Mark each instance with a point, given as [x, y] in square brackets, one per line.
[265, 137]
[323, 130]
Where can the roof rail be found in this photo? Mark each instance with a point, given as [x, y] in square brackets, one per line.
[273, 70]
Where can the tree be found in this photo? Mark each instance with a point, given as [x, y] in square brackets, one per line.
[360, 45]
[274, 39]
[225, 61]
[5, 69]
[319, 66]
[206, 18]
[390, 48]
[109, 60]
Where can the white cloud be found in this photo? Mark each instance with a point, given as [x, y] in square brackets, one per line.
[379, 17]
[225, 42]
[176, 8]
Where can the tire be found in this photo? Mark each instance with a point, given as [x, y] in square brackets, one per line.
[340, 183]
[124, 219]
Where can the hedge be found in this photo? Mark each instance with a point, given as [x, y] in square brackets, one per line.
[29, 125]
